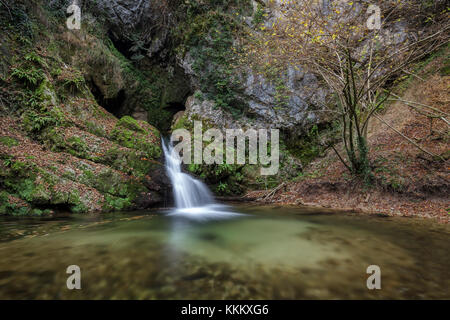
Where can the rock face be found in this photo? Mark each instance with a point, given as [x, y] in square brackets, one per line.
[151, 21]
[291, 101]
[197, 40]
[143, 28]
[146, 20]
[198, 108]
[262, 111]
[177, 35]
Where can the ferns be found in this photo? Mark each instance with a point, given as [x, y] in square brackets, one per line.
[31, 76]
[35, 123]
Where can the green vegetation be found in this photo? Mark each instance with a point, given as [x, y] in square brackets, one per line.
[128, 162]
[258, 16]
[8, 141]
[312, 143]
[130, 123]
[34, 122]
[31, 76]
[128, 133]
[225, 179]
[7, 207]
[147, 89]
[72, 81]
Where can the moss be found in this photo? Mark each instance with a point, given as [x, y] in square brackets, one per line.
[128, 138]
[312, 143]
[34, 122]
[8, 141]
[95, 129]
[56, 142]
[129, 162]
[38, 187]
[159, 117]
[72, 81]
[110, 182]
[77, 147]
[208, 32]
[183, 123]
[151, 90]
[42, 86]
[130, 123]
[9, 208]
[224, 178]
[116, 204]
[76, 204]
[134, 140]
[20, 180]
[24, 184]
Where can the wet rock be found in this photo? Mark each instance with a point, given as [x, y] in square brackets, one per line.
[148, 200]
[157, 179]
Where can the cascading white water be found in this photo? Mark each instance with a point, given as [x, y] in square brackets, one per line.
[188, 192]
[192, 197]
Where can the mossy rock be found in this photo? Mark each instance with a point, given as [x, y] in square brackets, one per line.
[95, 129]
[131, 124]
[128, 161]
[183, 123]
[46, 93]
[224, 178]
[34, 122]
[131, 134]
[74, 145]
[77, 147]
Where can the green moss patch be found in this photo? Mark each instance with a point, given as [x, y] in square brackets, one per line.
[128, 133]
[8, 141]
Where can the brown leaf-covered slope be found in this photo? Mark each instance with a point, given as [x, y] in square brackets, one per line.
[408, 181]
[59, 149]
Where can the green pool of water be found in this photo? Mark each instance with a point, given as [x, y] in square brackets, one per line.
[268, 253]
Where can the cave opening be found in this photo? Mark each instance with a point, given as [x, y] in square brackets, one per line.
[113, 105]
[122, 45]
[175, 107]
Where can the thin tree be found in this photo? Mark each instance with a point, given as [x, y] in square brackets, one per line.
[358, 63]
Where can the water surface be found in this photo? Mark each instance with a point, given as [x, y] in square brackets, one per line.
[266, 253]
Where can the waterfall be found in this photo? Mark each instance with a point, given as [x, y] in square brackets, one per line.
[192, 197]
[188, 192]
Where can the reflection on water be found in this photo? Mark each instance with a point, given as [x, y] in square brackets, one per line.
[266, 253]
[205, 213]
